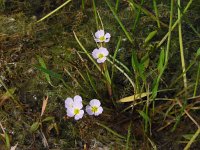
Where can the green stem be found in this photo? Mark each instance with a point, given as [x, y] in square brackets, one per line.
[181, 46]
[175, 24]
[132, 83]
[116, 5]
[197, 81]
[120, 23]
[169, 37]
[155, 88]
[192, 139]
[145, 11]
[83, 4]
[95, 14]
[108, 79]
[137, 17]
[156, 11]
[55, 10]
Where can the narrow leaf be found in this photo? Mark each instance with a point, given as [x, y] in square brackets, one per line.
[44, 105]
[14, 147]
[133, 97]
[34, 126]
[61, 6]
[92, 83]
[128, 136]
[144, 116]
[198, 52]
[7, 140]
[111, 131]
[42, 63]
[48, 119]
[161, 60]
[134, 61]
[150, 36]
[7, 95]
[119, 21]
[51, 73]
[188, 136]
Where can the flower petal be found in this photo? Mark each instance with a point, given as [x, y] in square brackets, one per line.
[104, 51]
[99, 33]
[78, 105]
[101, 60]
[95, 102]
[100, 110]
[95, 53]
[89, 110]
[107, 40]
[68, 102]
[97, 40]
[107, 35]
[77, 99]
[79, 116]
[70, 112]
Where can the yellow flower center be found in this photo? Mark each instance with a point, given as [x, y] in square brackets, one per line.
[102, 38]
[94, 109]
[100, 56]
[76, 111]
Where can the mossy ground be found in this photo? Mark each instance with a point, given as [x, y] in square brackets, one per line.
[22, 40]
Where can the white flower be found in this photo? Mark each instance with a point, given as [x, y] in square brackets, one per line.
[100, 36]
[94, 108]
[100, 54]
[69, 102]
[75, 111]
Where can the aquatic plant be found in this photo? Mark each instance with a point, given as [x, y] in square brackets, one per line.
[94, 107]
[100, 54]
[100, 36]
[132, 79]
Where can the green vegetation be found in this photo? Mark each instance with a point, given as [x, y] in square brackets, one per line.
[148, 86]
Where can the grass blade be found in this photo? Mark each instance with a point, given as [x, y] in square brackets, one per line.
[161, 61]
[49, 72]
[128, 136]
[83, 4]
[7, 140]
[124, 73]
[137, 17]
[192, 139]
[145, 11]
[10, 92]
[133, 97]
[175, 24]
[86, 52]
[156, 81]
[117, 62]
[95, 13]
[110, 130]
[150, 36]
[92, 83]
[181, 47]
[55, 10]
[116, 5]
[197, 80]
[156, 12]
[119, 21]
[42, 63]
[114, 57]
[143, 115]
